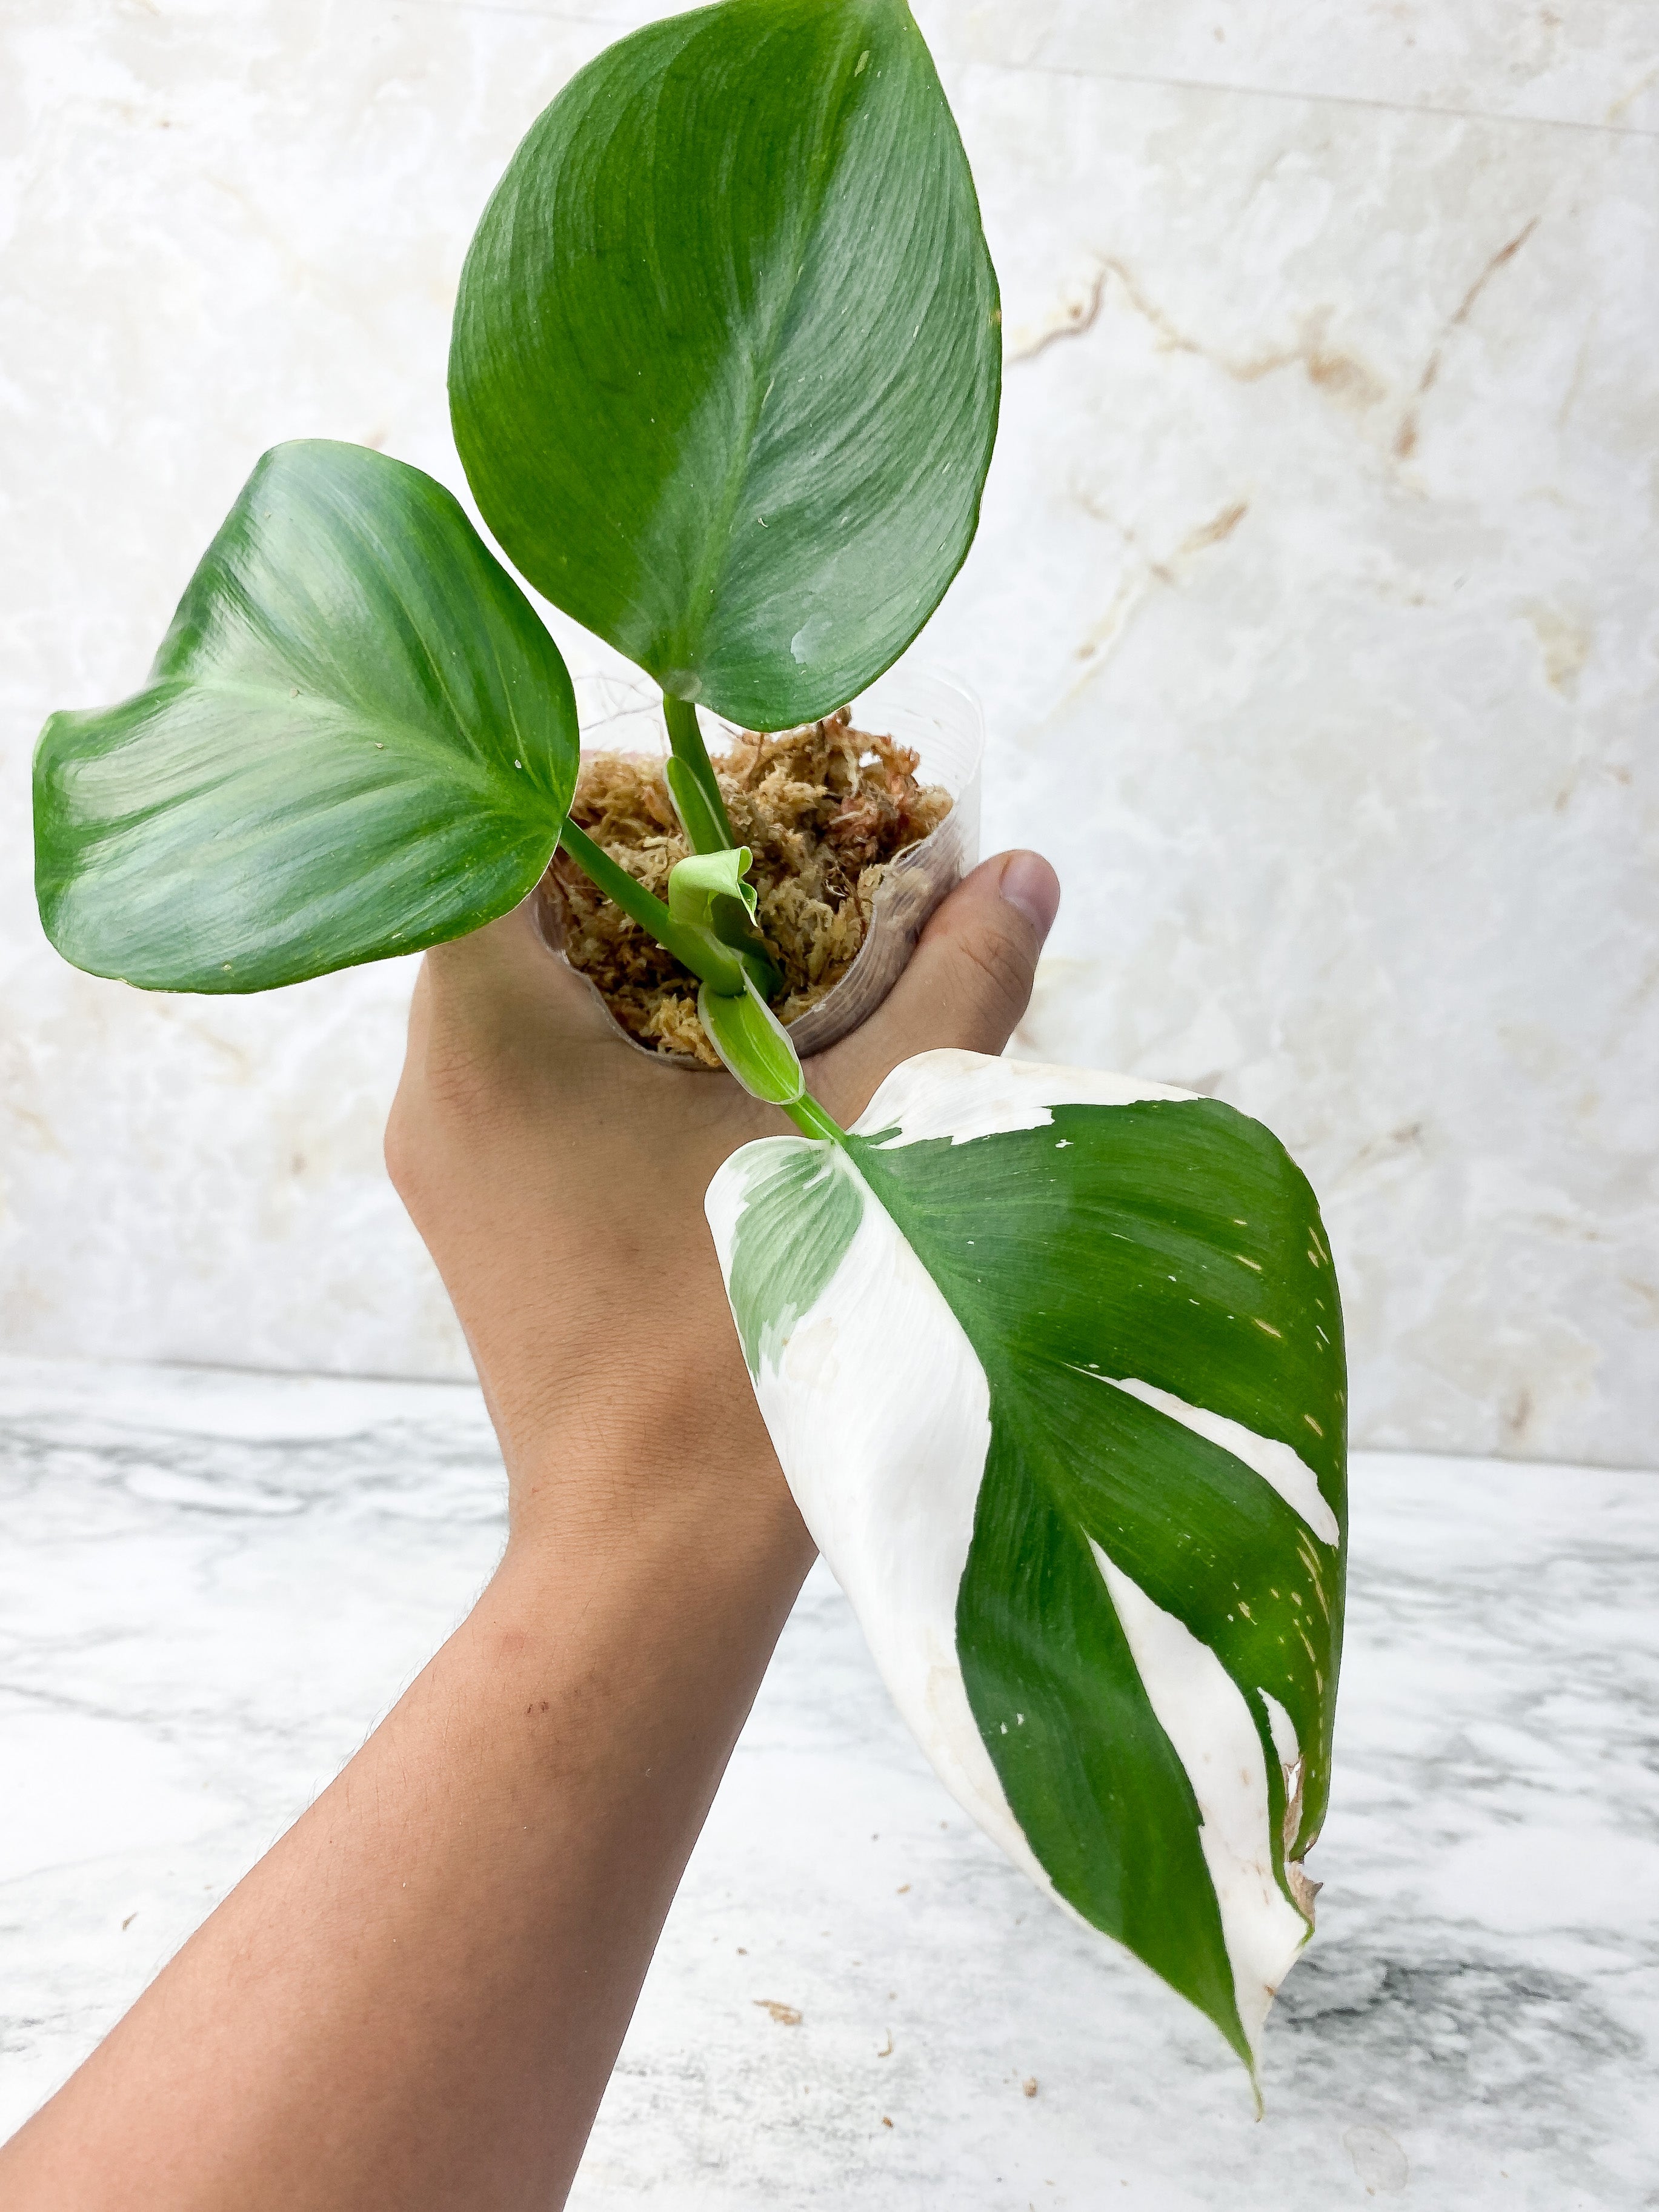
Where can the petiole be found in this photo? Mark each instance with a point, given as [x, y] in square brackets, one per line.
[706, 894]
[692, 783]
[695, 946]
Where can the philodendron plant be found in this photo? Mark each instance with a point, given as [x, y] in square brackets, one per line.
[1053, 1361]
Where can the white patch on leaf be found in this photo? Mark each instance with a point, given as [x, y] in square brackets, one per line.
[880, 1412]
[1202, 1712]
[1282, 1470]
[1282, 1729]
[964, 1095]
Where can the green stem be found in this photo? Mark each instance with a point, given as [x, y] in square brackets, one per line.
[706, 955]
[810, 1118]
[699, 950]
[698, 794]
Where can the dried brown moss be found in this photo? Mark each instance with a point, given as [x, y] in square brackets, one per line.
[823, 810]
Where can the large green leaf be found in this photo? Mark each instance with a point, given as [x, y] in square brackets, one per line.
[725, 362]
[358, 739]
[1053, 1365]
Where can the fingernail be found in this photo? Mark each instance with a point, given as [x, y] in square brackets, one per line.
[1029, 884]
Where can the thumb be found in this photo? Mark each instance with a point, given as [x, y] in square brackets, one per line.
[968, 983]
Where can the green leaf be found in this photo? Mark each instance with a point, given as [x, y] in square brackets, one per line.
[726, 360]
[698, 883]
[753, 1043]
[358, 739]
[1053, 1365]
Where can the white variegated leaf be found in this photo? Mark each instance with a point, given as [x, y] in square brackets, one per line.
[1053, 1362]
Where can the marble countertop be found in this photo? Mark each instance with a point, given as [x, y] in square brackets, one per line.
[211, 1585]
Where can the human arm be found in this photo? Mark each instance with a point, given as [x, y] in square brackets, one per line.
[415, 1998]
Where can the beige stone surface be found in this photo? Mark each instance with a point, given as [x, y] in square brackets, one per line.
[1312, 610]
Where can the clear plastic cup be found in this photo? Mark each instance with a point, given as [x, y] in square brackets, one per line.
[929, 712]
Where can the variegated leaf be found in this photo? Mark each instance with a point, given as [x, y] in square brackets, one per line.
[1053, 1362]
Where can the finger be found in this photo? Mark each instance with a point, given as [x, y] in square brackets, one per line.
[967, 986]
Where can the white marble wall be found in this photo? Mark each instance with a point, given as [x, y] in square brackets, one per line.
[1313, 611]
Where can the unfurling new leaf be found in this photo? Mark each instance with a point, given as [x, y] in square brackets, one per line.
[753, 1043]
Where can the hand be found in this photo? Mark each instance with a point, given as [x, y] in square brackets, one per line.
[414, 2000]
[557, 1177]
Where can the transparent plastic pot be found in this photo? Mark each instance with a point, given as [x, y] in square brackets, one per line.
[921, 709]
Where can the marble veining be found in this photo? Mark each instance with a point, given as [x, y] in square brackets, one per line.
[211, 1585]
